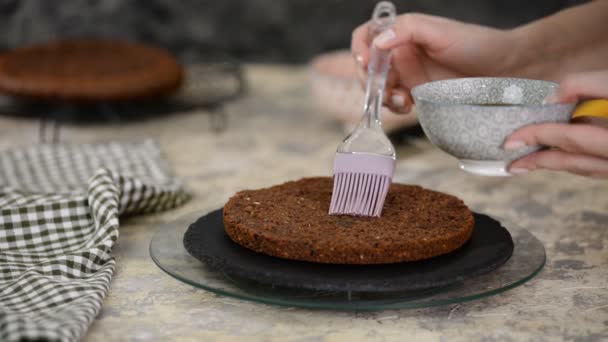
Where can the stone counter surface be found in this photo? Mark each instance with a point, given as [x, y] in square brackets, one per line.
[274, 135]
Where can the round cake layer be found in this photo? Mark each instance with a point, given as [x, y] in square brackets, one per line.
[89, 70]
[291, 221]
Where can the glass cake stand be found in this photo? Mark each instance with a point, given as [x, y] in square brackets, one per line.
[168, 252]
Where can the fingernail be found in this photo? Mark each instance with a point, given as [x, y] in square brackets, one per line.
[398, 101]
[384, 38]
[551, 98]
[518, 170]
[513, 145]
[359, 59]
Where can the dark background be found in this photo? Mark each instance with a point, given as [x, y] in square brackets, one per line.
[288, 31]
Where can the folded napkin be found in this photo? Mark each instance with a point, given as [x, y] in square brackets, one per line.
[59, 209]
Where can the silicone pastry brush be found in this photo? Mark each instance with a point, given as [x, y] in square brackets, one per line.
[365, 160]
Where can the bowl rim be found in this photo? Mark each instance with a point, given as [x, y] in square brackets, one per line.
[419, 99]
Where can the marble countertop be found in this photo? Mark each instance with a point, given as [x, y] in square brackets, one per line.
[276, 134]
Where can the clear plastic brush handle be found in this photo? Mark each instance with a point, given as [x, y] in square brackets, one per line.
[369, 137]
[379, 60]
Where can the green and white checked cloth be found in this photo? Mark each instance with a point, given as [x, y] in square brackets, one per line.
[59, 210]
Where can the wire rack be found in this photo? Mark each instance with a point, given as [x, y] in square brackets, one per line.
[209, 84]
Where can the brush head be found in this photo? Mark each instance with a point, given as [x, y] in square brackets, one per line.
[361, 183]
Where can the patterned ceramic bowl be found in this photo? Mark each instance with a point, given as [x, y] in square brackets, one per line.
[470, 118]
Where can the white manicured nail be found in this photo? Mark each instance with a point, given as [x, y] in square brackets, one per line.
[551, 98]
[384, 38]
[398, 101]
[514, 145]
[518, 171]
[359, 59]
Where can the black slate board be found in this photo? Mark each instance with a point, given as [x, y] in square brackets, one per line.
[490, 246]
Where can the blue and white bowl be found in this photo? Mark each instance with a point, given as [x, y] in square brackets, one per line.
[470, 118]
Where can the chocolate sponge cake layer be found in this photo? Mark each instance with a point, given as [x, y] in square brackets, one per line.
[291, 221]
[89, 70]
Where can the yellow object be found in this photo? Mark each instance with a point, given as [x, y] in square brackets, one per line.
[597, 108]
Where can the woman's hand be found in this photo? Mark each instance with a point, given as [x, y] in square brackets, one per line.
[427, 48]
[576, 148]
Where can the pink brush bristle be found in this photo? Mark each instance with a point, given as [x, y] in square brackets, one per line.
[361, 183]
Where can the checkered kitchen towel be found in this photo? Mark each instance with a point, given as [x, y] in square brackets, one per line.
[59, 209]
